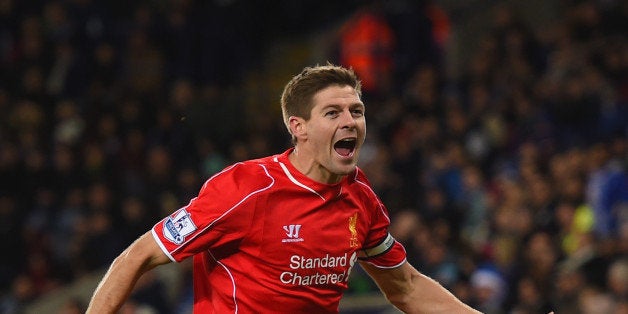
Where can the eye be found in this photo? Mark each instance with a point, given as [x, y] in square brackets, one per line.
[357, 112]
[331, 113]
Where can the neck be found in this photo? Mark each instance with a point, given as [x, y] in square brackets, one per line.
[307, 165]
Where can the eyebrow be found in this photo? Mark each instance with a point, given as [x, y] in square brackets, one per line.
[353, 105]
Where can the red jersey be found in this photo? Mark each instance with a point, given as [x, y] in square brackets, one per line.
[266, 238]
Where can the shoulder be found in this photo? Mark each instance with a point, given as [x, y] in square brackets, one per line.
[359, 179]
[251, 166]
[245, 175]
[260, 166]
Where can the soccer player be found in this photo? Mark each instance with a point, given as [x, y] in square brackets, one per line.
[281, 234]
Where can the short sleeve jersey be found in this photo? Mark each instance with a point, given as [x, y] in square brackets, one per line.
[267, 239]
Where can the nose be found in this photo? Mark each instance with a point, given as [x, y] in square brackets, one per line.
[347, 120]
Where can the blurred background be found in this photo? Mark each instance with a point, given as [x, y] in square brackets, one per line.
[496, 138]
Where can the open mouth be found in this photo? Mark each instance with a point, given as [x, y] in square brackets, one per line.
[345, 147]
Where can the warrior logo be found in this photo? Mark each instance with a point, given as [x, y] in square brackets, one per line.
[292, 232]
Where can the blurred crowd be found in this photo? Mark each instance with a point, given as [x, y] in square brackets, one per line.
[508, 183]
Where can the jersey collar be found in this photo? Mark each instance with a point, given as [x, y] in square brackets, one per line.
[324, 190]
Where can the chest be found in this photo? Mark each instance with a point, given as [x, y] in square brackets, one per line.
[304, 224]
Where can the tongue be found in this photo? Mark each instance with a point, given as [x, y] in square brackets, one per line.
[343, 151]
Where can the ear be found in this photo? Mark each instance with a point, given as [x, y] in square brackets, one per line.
[297, 127]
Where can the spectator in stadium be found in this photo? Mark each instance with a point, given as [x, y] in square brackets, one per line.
[281, 233]
[366, 44]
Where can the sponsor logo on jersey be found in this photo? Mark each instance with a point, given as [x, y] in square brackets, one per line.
[178, 226]
[323, 270]
[353, 240]
[292, 233]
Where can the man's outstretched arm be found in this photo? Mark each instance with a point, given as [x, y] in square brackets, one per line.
[141, 256]
[412, 292]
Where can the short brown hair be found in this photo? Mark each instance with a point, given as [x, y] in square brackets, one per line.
[296, 99]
